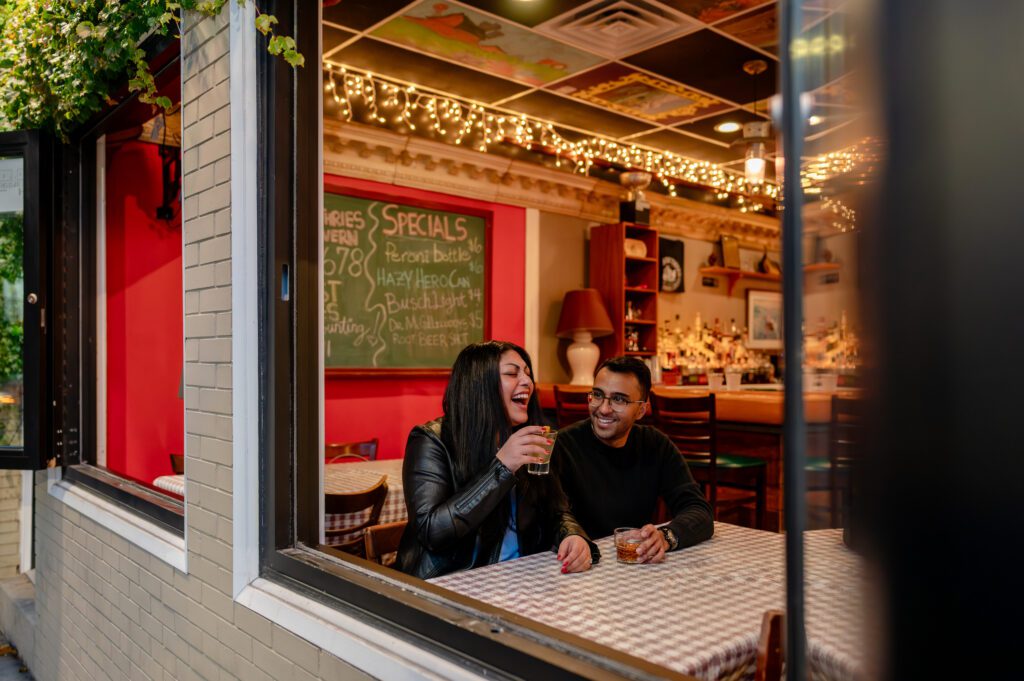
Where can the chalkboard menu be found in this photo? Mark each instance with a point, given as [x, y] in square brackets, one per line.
[404, 285]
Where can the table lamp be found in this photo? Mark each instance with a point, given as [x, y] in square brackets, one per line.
[583, 317]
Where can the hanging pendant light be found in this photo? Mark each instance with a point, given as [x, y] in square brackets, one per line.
[755, 133]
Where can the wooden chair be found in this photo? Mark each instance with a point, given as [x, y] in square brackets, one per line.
[372, 499]
[691, 424]
[771, 648]
[381, 540]
[361, 451]
[178, 463]
[834, 473]
[571, 405]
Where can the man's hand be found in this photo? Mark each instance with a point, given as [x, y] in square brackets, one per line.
[574, 554]
[652, 548]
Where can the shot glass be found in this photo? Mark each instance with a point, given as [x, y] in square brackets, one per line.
[545, 467]
[627, 541]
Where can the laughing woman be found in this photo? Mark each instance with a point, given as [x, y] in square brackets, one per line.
[469, 497]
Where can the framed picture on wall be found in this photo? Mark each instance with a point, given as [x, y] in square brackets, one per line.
[764, 320]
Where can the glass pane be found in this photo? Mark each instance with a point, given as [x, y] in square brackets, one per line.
[12, 240]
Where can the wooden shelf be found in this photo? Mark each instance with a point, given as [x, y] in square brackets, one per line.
[640, 321]
[626, 283]
[734, 275]
[639, 354]
[638, 289]
[631, 258]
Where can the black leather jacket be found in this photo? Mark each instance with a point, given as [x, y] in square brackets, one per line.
[443, 520]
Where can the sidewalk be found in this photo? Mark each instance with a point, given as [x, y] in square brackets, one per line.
[10, 665]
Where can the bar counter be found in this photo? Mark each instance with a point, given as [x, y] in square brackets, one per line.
[750, 423]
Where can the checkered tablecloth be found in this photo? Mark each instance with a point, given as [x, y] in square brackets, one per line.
[699, 612]
[345, 478]
[171, 483]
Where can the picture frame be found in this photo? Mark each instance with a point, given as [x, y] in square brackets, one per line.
[730, 251]
[764, 320]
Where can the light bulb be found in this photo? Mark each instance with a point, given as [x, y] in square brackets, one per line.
[754, 163]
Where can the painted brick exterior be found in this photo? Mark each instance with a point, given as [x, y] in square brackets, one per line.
[10, 501]
[107, 609]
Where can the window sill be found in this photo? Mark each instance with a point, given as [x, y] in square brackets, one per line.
[155, 538]
[368, 648]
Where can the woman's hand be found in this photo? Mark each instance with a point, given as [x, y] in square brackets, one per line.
[523, 446]
[574, 552]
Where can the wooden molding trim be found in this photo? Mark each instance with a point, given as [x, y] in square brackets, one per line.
[372, 153]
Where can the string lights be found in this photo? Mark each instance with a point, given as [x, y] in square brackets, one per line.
[385, 101]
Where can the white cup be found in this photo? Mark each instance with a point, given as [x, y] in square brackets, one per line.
[715, 381]
[732, 380]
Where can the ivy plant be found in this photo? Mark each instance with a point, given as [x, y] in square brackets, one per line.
[60, 60]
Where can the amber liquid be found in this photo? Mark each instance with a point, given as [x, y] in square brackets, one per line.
[626, 552]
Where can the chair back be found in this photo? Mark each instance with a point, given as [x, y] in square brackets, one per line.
[571, 405]
[771, 648]
[372, 499]
[382, 540]
[365, 450]
[844, 440]
[178, 463]
[691, 424]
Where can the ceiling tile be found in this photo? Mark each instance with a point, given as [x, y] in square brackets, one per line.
[378, 57]
[706, 126]
[710, 11]
[615, 28]
[483, 42]
[689, 147]
[558, 109]
[361, 14]
[759, 28]
[526, 13]
[711, 62]
[332, 37]
[624, 90]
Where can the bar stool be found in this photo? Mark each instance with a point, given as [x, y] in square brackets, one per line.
[691, 424]
[834, 473]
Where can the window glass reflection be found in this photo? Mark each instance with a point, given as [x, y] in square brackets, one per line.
[11, 302]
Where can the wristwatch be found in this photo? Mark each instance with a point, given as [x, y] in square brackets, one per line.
[670, 537]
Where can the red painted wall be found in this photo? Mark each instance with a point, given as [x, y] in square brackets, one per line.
[145, 416]
[359, 409]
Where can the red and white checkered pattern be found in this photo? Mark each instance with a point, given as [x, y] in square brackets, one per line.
[700, 611]
[346, 478]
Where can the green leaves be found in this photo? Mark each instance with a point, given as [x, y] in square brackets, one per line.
[61, 60]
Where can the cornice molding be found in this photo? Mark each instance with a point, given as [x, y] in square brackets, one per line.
[372, 153]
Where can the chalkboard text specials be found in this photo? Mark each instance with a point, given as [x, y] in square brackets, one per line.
[403, 284]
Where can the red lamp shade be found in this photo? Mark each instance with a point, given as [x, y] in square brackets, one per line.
[582, 310]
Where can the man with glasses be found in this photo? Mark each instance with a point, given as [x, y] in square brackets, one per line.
[614, 471]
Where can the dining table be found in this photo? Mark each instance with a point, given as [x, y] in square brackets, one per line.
[357, 476]
[699, 612]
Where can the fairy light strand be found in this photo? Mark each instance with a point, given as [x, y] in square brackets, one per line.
[459, 120]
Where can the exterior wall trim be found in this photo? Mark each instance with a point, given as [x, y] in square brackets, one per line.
[156, 541]
[357, 643]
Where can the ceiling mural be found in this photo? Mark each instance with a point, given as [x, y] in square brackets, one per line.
[631, 92]
[661, 73]
[466, 37]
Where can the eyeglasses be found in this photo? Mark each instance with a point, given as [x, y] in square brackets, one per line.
[619, 402]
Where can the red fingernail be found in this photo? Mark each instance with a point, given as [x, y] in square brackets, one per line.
[564, 569]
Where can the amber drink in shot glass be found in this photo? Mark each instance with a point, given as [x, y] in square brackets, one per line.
[627, 541]
[545, 467]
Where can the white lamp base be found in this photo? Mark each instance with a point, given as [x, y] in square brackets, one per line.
[582, 355]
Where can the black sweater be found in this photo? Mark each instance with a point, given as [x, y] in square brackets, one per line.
[611, 487]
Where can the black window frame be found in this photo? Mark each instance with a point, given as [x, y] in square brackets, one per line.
[73, 377]
[35, 149]
[473, 634]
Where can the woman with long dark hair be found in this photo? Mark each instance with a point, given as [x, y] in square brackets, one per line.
[470, 499]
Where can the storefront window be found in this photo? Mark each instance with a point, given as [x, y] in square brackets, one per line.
[12, 241]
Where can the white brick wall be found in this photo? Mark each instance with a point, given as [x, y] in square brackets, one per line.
[107, 609]
[10, 501]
